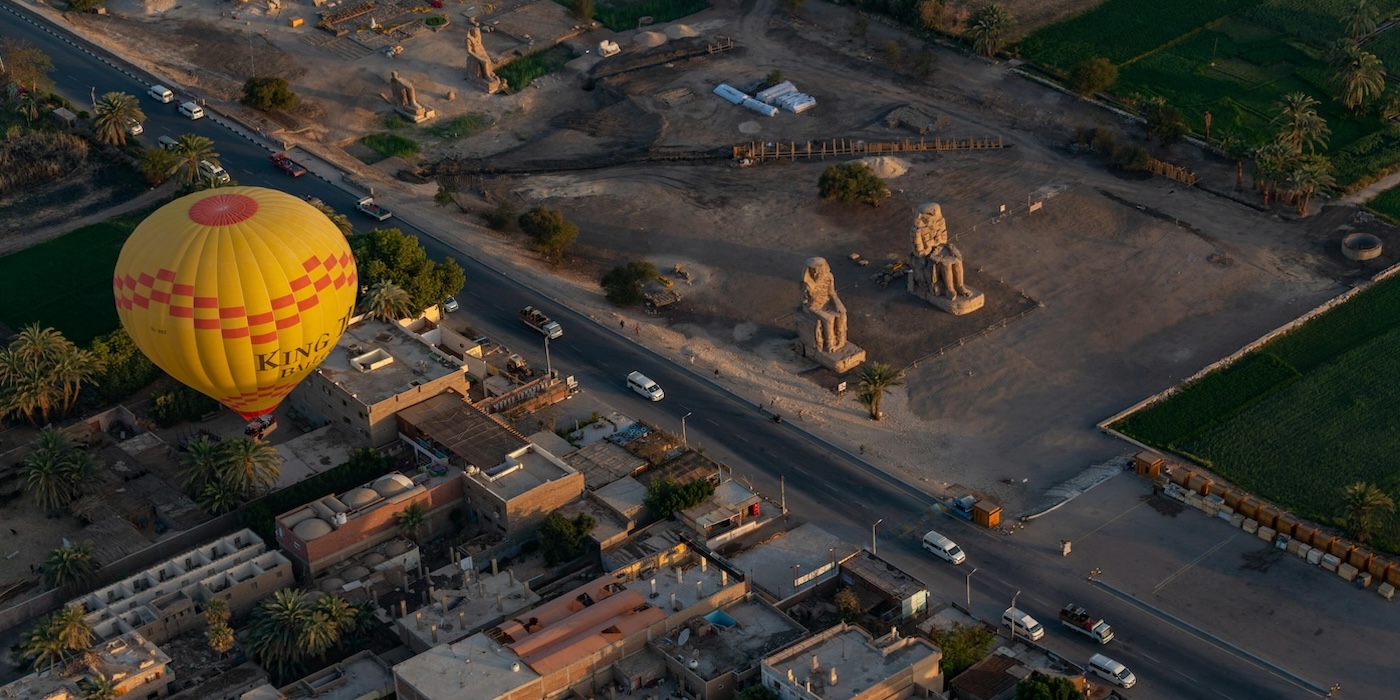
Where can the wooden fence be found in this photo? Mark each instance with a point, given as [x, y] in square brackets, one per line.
[851, 147]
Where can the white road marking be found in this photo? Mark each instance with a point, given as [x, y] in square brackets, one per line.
[1194, 562]
[1179, 673]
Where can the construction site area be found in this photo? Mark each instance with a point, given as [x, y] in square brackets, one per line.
[1101, 287]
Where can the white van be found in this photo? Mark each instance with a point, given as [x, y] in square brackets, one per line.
[209, 171]
[168, 143]
[1111, 671]
[944, 548]
[1022, 625]
[191, 110]
[161, 93]
[644, 386]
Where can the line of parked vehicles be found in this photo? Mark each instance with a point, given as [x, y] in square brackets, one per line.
[1022, 624]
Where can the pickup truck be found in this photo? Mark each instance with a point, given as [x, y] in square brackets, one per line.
[375, 211]
[536, 319]
[1079, 620]
[287, 165]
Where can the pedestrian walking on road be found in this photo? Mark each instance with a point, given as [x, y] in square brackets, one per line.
[637, 329]
[622, 324]
[716, 373]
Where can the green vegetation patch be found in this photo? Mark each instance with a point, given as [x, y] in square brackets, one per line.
[1121, 30]
[66, 282]
[391, 145]
[1304, 416]
[1387, 204]
[1318, 22]
[1386, 46]
[1209, 401]
[461, 127]
[524, 70]
[621, 16]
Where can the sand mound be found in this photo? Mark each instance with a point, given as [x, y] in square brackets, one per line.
[680, 31]
[650, 39]
[886, 166]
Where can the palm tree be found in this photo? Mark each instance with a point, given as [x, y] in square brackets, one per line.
[158, 164]
[114, 113]
[216, 613]
[1358, 76]
[219, 497]
[47, 479]
[201, 462]
[1300, 124]
[339, 614]
[1364, 17]
[28, 105]
[71, 627]
[341, 221]
[72, 370]
[875, 379]
[192, 149]
[1271, 164]
[412, 521]
[988, 28]
[1365, 506]
[1238, 150]
[71, 564]
[41, 647]
[221, 639]
[387, 301]
[275, 639]
[252, 466]
[1307, 175]
[99, 686]
[30, 381]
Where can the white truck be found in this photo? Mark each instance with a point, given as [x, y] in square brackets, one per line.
[373, 210]
[1079, 620]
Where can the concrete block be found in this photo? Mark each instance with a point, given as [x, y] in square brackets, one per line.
[1294, 546]
[1250, 525]
[1386, 590]
[1237, 520]
[1304, 551]
[1347, 571]
[1225, 514]
[1331, 562]
[1314, 555]
[1266, 533]
[1227, 510]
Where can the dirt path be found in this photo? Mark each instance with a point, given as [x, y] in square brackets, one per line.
[21, 241]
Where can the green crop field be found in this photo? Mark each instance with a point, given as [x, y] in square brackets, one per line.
[66, 283]
[1302, 417]
[1387, 204]
[1122, 30]
[1318, 22]
[519, 73]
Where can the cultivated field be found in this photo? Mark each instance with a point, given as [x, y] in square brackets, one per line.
[1302, 417]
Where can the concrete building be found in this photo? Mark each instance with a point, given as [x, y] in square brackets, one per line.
[797, 561]
[510, 484]
[376, 370]
[333, 528]
[462, 604]
[896, 595]
[712, 655]
[141, 668]
[846, 663]
[731, 510]
[161, 602]
[573, 642]
[362, 676]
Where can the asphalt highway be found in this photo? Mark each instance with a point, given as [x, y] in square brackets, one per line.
[822, 484]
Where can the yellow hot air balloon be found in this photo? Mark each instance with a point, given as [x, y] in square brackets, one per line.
[237, 292]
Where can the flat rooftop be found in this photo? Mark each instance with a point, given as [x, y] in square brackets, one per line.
[471, 605]
[388, 490]
[128, 655]
[602, 463]
[806, 547]
[728, 499]
[474, 438]
[740, 636]
[890, 579]
[414, 362]
[359, 677]
[475, 667]
[860, 662]
[627, 496]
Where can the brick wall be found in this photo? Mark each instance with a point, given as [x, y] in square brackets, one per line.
[526, 511]
[369, 529]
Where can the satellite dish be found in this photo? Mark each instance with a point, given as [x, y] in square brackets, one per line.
[685, 637]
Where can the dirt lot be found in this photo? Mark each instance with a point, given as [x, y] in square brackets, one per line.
[1114, 290]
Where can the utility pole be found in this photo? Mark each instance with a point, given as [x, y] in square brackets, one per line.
[969, 590]
[684, 441]
[873, 547]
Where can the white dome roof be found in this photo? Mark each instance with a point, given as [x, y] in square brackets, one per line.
[361, 496]
[395, 548]
[311, 528]
[392, 484]
[331, 584]
[355, 573]
[373, 559]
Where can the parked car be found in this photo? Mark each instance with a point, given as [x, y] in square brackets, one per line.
[450, 304]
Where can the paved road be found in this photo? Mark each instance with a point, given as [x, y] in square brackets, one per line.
[823, 485]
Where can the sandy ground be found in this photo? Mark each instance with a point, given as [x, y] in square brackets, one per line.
[1116, 289]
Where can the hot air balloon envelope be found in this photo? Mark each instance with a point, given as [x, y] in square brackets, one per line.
[238, 292]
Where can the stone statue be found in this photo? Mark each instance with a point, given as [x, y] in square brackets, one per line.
[405, 99]
[819, 299]
[821, 320]
[479, 61]
[936, 265]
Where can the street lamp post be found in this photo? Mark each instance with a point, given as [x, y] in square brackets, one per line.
[548, 366]
[969, 590]
[684, 441]
[874, 549]
[1014, 613]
